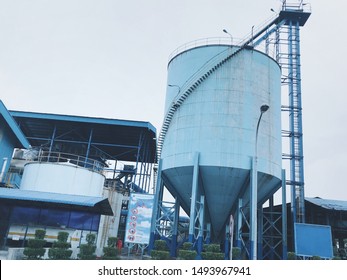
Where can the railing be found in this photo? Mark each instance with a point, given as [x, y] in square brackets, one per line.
[201, 43]
[71, 159]
[304, 7]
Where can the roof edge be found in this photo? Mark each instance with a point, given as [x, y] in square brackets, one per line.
[14, 126]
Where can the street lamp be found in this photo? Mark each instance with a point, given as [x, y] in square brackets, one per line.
[231, 37]
[252, 33]
[178, 92]
[179, 88]
[254, 192]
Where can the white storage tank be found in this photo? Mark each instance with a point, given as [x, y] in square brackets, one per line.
[64, 178]
[218, 119]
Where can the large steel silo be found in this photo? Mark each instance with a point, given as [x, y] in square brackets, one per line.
[212, 108]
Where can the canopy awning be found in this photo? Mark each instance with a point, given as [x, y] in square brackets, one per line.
[98, 205]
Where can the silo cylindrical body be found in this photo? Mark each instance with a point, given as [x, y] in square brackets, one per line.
[218, 120]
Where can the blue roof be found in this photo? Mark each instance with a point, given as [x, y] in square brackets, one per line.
[37, 198]
[118, 139]
[328, 203]
[22, 141]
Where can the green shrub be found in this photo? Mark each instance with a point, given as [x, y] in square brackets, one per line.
[59, 254]
[212, 256]
[291, 256]
[187, 246]
[161, 251]
[212, 248]
[40, 234]
[90, 238]
[236, 251]
[160, 255]
[63, 236]
[35, 250]
[34, 253]
[112, 241]
[111, 252]
[60, 249]
[316, 258]
[160, 245]
[212, 252]
[87, 251]
[187, 254]
[36, 243]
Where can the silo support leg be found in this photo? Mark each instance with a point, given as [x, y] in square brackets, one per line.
[195, 185]
[200, 216]
[284, 216]
[227, 244]
[208, 233]
[239, 225]
[173, 247]
[158, 198]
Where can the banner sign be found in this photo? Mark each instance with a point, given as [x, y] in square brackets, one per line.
[138, 226]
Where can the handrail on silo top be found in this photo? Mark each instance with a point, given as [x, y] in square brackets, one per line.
[210, 41]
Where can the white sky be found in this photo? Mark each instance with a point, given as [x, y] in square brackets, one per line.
[108, 58]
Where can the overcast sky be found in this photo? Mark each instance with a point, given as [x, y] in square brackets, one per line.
[108, 58]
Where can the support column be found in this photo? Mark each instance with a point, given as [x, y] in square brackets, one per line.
[158, 197]
[52, 142]
[227, 243]
[239, 224]
[195, 186]
[88, 148]
[173, 247]
[208, 233]
[284, 216]
[201, 216]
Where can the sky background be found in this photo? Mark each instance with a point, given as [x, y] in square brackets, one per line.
[108, 58]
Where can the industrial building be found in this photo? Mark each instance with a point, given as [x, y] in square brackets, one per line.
[223, 153]
[70, 173]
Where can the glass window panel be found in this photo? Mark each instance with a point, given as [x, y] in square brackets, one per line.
[54, 217]
[25, 215]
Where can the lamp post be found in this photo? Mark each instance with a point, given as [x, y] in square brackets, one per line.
[231, 37]
[179, 88]
[252, 33]
[254, 192]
